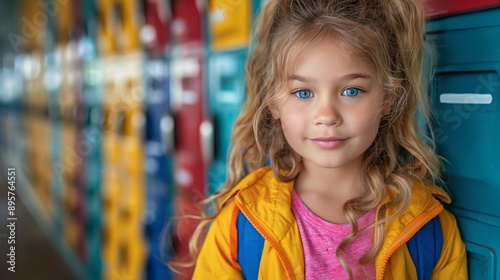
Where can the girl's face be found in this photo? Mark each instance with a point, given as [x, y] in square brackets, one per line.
[333, 107]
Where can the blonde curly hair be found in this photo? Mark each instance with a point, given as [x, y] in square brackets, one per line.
[389, 34]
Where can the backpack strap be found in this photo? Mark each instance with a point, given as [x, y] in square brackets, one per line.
[425, 248]
[250, 245]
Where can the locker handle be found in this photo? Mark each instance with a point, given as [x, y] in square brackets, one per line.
[207, 140]
[167, 133]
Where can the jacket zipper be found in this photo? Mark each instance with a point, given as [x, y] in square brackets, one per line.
[407, 236]
[271, 241]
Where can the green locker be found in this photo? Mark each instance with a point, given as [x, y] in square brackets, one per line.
[464, 91]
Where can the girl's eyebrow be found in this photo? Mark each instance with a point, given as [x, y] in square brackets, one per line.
[356, 76]
[300, 78]
[347, 77]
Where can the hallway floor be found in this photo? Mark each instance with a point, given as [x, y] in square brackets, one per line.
[35, 255]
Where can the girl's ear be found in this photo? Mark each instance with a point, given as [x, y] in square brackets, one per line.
[274, 111]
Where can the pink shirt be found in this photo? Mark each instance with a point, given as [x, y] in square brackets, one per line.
[320, 240]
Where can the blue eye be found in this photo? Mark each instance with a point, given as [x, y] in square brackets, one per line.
[351, 92]
[304, 94]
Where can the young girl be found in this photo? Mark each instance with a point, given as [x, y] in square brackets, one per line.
[333, 87]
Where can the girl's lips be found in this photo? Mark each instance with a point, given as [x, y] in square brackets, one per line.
[328, 143]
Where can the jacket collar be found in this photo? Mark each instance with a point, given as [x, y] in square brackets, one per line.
[268, 201]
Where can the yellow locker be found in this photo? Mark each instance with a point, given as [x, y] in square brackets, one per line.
[229, 23]
[123, 248]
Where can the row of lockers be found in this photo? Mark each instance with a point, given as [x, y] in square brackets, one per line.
[127, 124]
[104, 108]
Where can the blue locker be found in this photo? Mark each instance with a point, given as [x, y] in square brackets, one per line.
[465, 92]
[159, 138]
[158, 165]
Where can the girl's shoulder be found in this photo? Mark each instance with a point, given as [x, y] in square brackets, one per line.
[261, 183]
[424, 198]
[422, 190]
[263, 199]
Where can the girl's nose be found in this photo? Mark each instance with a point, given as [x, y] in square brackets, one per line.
[327, 114]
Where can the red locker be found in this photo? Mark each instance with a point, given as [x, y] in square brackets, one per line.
[188, 98]
[435, 8]
[155, 34]
[186, 26]
[189, 109]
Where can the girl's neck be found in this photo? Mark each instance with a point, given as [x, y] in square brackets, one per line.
[325, 191]
[334, 181]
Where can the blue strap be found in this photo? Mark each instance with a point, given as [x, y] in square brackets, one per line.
[250, 245]
[425, 248]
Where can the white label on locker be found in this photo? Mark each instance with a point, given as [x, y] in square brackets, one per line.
[228, 97]
[52, 79]
[189, 97]
[156, 69]
[217, 15]
[466, 98]
[186, 67]
[183, 177]
[151, 165]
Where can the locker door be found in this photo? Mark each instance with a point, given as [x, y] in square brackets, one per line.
[187, 24]
[229, 24]
[110, 192]
[72, 152]
[37, 123]
[158, 165]
[127, 250]
[190, 169]
[465, 92]
[92, 138]
[90, 118]
[11, 110]
[228, 35]
[158, 138]
[226, 84]
[132, 158]
[76, 112]
[52, 85]
[188, 103]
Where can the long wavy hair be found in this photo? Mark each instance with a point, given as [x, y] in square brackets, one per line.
[389, 34]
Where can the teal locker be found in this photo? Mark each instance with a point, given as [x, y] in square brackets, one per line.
[92, 135]
[52, 84]
[226, 95]
[228, 38]
[11, 110]
[465, 92]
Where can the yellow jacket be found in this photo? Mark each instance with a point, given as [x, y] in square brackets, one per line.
[266, 203]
